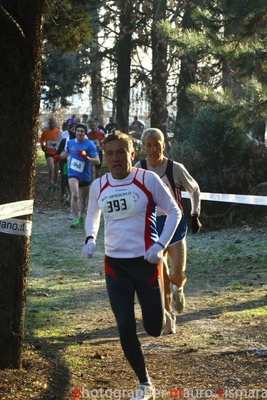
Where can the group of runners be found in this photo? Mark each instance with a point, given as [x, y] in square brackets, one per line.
[78, 152]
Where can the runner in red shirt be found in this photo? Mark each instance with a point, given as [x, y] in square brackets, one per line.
[97, 136]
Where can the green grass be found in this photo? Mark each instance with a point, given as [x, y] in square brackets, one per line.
[227, 277]
[41, 161]
[255, 312]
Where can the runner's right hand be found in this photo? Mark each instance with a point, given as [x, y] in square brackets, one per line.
[89, 248]
[57, 158]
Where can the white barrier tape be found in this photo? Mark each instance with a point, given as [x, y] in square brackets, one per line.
[231, 198]
[15, 226]
[18, 208]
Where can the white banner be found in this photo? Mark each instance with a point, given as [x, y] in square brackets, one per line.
[14, 226]
[231, 198]
[16, 209]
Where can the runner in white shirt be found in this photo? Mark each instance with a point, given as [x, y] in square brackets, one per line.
[127, 198]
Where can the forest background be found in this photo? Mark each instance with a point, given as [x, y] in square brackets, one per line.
[202, 63]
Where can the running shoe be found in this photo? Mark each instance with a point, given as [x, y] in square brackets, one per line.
[75, 223]
[144, 392]
[170, 324]
[70, 216]
[178, 299]
[81, 222]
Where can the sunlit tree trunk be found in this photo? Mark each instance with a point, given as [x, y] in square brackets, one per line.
[96, 79]
[20, 43]
[124, 65]
[159, 71]
[188, 66]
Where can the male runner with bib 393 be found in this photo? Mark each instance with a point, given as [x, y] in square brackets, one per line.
[128, 197]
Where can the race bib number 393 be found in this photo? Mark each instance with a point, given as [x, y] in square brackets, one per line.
[118, 205]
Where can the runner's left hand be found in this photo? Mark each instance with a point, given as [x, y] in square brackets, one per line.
[195, 224]
[82, 153]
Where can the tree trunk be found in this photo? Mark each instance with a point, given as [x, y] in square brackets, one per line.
[124, 66]
[187, 71]
[96, 79]
[20, 43]
[159, 71]
[96, 87]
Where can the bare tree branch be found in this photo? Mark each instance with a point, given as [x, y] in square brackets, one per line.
[11, 19]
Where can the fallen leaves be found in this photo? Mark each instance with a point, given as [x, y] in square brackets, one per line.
[99, 356]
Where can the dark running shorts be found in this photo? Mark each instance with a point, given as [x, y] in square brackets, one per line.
[81, 184]
[180, 232]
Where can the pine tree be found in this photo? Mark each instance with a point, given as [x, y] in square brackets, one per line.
[231, 59]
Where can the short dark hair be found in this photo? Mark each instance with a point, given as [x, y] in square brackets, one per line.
[84, 127]
[72, 125]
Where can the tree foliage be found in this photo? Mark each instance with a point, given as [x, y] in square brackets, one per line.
[231, 52]
[63, 75]
[65, 62]
[229, 96]
[222, 158]
[67, 25]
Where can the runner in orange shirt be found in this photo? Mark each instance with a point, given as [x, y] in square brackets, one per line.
[48, 143]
